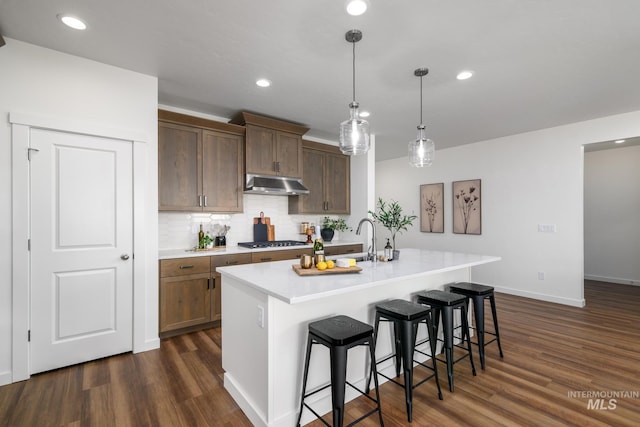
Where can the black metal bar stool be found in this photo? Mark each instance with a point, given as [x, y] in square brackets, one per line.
[478, 294]
[443, 304]
[406, 317]
[339, 334]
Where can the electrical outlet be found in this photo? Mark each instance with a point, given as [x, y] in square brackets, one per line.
[540, 275]
[546, 228]
[260, 318]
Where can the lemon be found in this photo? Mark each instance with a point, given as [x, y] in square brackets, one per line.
[330, 264]
[321, 265]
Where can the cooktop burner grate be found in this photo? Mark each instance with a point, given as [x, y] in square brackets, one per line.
[272, 244]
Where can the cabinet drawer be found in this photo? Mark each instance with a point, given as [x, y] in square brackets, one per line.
[184, 266]
[268, 256]
[225, 260]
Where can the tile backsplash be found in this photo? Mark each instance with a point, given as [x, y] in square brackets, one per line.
[179, 230]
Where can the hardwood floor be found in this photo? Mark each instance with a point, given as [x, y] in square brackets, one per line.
[552, 352]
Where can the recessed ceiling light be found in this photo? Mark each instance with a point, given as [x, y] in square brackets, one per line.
[356, 7]
[263, 82]
[464, 75]
[73, 22]
[619, 141]
[364, 114]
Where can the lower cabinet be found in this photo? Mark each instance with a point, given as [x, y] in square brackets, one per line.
[191, 288]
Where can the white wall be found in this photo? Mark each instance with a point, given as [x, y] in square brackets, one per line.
[527, 179]
[611, 212]
[51, 84]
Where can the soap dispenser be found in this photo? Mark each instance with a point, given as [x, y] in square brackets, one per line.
[388, 251]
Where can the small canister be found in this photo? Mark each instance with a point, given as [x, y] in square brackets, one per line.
[306, 261]
[304, 227]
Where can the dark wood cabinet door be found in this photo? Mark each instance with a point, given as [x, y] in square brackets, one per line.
[337, 192]
[288, 154]
[222, 186]
[179, 167]
[260, 150]
[184, 301]
[312, 177]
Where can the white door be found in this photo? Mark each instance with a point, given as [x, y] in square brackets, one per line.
[81, 233]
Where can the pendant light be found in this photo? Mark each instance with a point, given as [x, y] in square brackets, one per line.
[423, 149]
[354, 133]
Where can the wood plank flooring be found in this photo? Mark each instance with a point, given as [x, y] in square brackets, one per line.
[551, 351]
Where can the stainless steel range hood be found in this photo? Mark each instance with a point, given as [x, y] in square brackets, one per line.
[274, 185]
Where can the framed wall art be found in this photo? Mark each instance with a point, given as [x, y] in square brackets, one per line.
[467, 199]
[432, 208]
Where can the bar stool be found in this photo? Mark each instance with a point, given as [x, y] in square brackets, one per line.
[478, 294]
[406, 317]
[339, 334]
[443, 304]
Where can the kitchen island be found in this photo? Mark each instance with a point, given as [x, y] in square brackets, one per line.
[267, 308]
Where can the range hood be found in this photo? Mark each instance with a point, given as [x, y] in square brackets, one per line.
[274, 185]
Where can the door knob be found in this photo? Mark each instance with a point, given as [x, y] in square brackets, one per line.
[124, 257]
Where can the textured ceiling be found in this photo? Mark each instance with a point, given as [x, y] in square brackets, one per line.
[537, 63]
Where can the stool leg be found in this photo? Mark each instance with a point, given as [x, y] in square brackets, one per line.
[407, 343]
[374, 365]
[433, 340]
[338, 357]
[304, 378]
[447, 330]
[397, 346]
[374, 374]
[478, 311]
[495, 321]
[465, 330]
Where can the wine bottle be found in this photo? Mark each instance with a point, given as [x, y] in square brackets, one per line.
[201, 238]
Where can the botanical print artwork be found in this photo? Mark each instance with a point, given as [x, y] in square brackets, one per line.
[432, 208]
[466, 207]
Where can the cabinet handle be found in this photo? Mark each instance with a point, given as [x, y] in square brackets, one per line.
[231, 262]
[209, 283]
[205, 201]
[200, 201]
[182, 267]
[350, 251]
[265, 259]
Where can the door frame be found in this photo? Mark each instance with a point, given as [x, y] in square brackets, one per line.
[21, 124]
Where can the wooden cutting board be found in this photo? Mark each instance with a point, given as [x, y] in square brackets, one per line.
[315, 272]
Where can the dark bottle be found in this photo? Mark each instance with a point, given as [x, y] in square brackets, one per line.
[201, 238]
[388, 251]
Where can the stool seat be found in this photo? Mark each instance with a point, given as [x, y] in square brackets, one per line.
[402, 309]
[340, 330]
[440, 297]
[467, 288]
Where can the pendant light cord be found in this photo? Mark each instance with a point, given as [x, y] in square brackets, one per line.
[354, 70]
[421, 101]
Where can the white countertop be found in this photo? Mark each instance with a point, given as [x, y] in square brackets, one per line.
[278, 279]
[187, 253]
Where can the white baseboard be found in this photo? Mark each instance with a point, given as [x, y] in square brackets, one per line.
[617, 280]
[543, 297]
[5, 378]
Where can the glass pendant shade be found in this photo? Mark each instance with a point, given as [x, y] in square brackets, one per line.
[422, 150]
[354, 133]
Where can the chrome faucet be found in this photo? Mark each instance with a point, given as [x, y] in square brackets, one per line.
[373, 255]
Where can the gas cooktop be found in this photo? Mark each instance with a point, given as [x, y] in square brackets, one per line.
[272, 244]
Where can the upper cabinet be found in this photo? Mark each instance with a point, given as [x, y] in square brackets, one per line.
[272, 147]
[200, 164]
[326, 173]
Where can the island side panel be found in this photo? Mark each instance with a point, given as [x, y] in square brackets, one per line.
[245, 348]
[288, 327]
